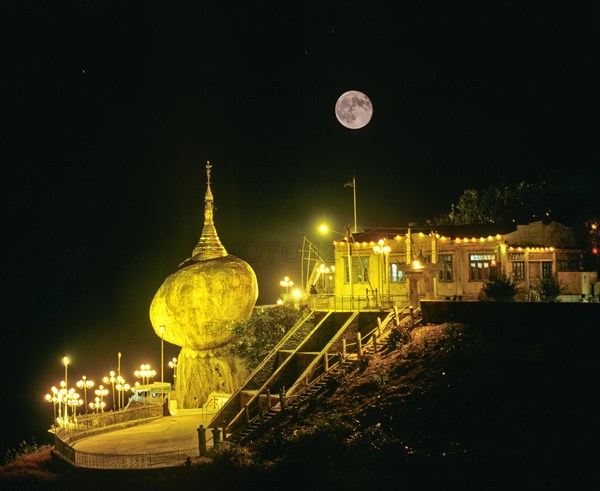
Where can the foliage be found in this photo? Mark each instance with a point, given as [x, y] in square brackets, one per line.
[549, 289]
[23, 448]
[521, 203]
[590, 235]
[257, 336]
[231, 455]
[398, 337]
[499, 287]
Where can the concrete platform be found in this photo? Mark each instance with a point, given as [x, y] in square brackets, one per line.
[164, 434]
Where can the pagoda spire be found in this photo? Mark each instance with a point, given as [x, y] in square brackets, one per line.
[209, 246]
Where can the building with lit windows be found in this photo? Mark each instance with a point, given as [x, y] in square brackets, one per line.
[384, 267]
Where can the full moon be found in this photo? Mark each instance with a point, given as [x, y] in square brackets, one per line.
[353, 109]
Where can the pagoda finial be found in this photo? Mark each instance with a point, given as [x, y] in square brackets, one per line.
[209, 246]
[208, 168]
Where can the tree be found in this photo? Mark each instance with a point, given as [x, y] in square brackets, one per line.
[520, 203]
[256, 337]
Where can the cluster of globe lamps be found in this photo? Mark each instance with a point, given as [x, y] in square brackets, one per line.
[67, 400]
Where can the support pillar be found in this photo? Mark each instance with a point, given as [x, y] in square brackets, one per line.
[201, 441]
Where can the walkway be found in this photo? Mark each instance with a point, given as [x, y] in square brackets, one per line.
[164, 434]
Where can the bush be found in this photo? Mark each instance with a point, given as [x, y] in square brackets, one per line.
[399, 336]
[499, 288]
[549, 289]
[232, 455]
[24, 448]
[256, 337]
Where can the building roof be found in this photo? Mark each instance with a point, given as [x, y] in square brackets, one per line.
[451, 231]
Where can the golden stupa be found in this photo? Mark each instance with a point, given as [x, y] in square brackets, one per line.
[195, 307]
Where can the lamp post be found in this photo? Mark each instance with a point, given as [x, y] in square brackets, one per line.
[97, 405]
[349, 238]
[145, 373]
[53, 398]
[101, 392]
[66, 363]
[286, 283]
[121, 387]
[111, 380]
[62, 400]
[382, 249]
[173, 365]
[73, 400]
[162, 361]
[85, 384]
[386, 255]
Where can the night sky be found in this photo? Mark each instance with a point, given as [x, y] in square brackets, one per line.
[111, 110]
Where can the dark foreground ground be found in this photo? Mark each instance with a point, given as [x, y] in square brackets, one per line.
[456, 408]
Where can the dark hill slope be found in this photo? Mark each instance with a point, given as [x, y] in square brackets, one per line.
[456, 408]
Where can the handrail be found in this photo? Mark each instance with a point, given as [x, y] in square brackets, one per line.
[365, 302]
[311, 367]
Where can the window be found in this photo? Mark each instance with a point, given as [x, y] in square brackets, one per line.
[480, 265]
[518, 270]
[360, 270]
[567, 262]
[546, 269]
[396, 276]
[445, 260]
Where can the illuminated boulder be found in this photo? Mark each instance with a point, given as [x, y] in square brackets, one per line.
[198, 303]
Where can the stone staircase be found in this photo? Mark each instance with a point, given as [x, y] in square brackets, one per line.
[269, 418]
[264, 409]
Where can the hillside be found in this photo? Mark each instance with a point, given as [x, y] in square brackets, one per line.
[453, 409]
[456, 408]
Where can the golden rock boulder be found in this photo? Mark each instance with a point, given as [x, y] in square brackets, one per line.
[198, 303]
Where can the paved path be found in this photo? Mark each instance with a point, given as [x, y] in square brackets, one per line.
[164, 434]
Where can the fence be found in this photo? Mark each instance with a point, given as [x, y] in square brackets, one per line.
[355, 302]
[147, 460]
[96, 421]
[144, 460]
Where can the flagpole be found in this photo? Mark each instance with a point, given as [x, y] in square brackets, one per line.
[354, 189]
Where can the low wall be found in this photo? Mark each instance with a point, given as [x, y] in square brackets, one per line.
[563, 322]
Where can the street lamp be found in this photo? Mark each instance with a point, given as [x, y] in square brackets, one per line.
[383, 249]
[286, 283]
[121, 387]
[145, 373]
[66, 363]
[74, 400]
[112, 379]
[53, 398]
[349, 238]
[173, 365]
[97, 405]
[162, 330]
[101, 392]
[62, 400]
[85, 384]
